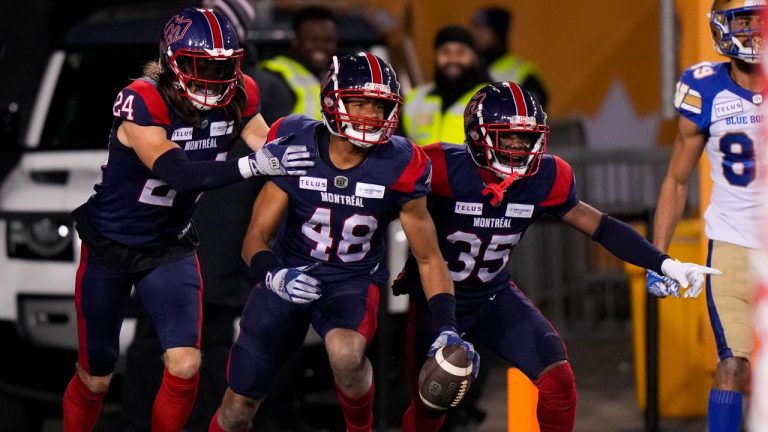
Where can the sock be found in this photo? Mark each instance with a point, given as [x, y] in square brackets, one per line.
[81, 406]
[214, 427]
[556, 410]
[358, 413]
[724, 413]
[174, 402]
[418, 419]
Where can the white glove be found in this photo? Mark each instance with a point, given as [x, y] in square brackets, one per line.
[688, 275]
[276, 158]
[294, 284]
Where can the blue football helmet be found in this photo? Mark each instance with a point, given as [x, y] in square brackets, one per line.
[737, 28]
[200, 48]
[360, 75]
[506, 130]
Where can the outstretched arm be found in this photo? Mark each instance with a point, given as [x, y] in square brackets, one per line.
[169, 162]
[626, 243]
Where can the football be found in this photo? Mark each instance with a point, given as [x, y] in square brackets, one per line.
[445, 378]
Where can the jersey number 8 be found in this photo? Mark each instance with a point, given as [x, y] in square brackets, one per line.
[318, 229]
[738, 158]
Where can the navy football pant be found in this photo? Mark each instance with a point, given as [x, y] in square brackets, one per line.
[272, 330]
[506, 323]
[171, 294]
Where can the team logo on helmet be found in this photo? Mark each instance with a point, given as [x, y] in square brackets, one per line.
[176, 29]
[200, 49]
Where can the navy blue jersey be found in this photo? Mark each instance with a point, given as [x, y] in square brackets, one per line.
[133, 206]
[476, 238]
[340, 216]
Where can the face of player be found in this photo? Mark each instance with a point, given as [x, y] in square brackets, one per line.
[515, 146]
[316, 42]
[205, 70]
[744, 22]
[369, 109]
[453, 59]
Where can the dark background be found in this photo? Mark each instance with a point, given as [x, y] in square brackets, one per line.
[29, 31]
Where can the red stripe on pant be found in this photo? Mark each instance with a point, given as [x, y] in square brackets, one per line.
[82, 340]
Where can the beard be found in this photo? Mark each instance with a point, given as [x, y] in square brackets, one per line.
[451, 89]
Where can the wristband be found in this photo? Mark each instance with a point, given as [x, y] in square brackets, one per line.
[443, 308]
[261, 262]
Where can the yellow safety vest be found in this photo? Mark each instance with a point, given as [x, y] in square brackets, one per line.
[302, 82]
[510, 67]
[424, 123]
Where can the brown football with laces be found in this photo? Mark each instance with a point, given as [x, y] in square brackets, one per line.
[445, 378]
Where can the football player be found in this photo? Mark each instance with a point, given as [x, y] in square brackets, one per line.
[719, 106]
[169, 139]
[484, 196]
[325, 268]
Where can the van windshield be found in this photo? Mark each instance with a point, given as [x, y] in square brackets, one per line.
[80, 114]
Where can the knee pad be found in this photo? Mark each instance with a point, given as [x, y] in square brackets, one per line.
[557, 387]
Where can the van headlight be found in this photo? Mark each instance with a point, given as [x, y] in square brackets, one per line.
[43, 237]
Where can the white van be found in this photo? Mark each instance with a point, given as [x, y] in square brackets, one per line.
[63, 147]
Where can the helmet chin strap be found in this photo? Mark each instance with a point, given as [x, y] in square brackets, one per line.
[498, 189]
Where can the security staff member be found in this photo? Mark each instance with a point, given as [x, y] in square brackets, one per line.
[315, 41]
[490, 29]
[435, 111]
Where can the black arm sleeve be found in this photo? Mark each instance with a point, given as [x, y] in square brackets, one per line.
[624, 242]
[185, 176]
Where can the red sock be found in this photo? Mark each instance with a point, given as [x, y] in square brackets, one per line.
[81, 406]
[173, 402]
[214, 427]
[557, 400]
[358, 413]
[418, 419]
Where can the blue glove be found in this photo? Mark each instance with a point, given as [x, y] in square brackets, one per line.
[661, 286]
[276, 158]
[294, 284]
[450, 337]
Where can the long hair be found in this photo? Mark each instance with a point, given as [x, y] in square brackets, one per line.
[184, 108]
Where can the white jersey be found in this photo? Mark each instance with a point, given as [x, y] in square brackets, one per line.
[729, 116]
